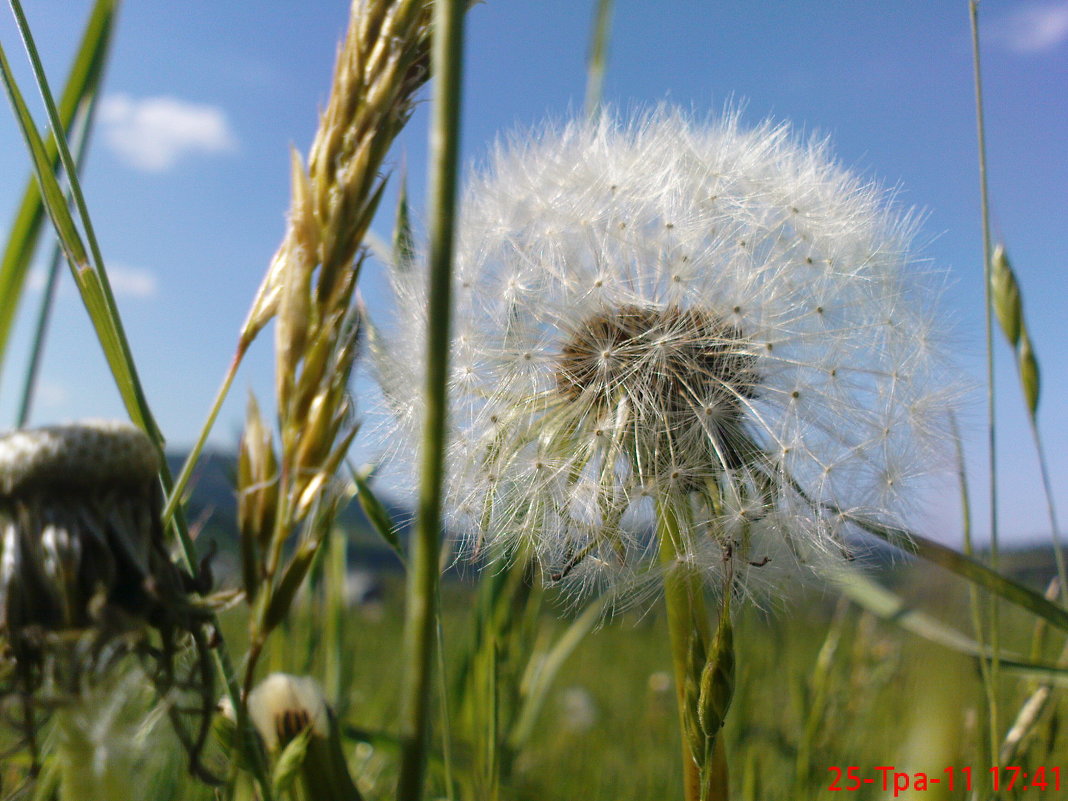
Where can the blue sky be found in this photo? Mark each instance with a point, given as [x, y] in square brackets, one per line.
[188, 177]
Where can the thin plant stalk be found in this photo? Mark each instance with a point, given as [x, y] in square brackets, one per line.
[974, 603]
[598, 56]
[175, 493]
[83, 127]
[988, 315]
[420, 610]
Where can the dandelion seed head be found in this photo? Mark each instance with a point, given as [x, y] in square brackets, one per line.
[721, 321]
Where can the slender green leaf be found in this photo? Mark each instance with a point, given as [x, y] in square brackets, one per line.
[887, 605]
[377, 514]
[968, 568]
[82, 84]
[54, 200]
[89, 274]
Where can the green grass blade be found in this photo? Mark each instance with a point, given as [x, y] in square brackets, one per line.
[889, 606]
[82, 129]
[377, 514]
[968, 568]
[548, 668]
[598, 56]
[82, 83]
[89, 274]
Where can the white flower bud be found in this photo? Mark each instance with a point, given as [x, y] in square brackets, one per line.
[282, 706]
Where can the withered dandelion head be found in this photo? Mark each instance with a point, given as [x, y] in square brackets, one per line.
[85, 576]
[672, 320]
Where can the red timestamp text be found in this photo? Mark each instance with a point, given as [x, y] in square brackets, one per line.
[888, 778]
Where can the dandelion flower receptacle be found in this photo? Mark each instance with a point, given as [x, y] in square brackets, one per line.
[660, 316]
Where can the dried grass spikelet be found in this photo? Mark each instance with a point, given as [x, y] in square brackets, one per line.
[85, 576]
[286, 482]
[382, 62]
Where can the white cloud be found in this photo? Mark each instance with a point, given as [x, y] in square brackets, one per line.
[51, 394]
[128, 282]
[132, 281]
[1033, 28]
[152, 133]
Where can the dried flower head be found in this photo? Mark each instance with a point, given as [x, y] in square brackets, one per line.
[85, 576]
[705, 323]
[282, 706]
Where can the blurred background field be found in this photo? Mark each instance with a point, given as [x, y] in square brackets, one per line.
[821, 682]
[817, 677]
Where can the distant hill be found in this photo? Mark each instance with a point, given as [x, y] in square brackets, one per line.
[213, 506]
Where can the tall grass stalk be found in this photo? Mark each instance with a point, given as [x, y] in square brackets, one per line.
[595, 69]
[988, 316]
[420, 613]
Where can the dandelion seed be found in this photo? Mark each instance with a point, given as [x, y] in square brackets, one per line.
[714, 358]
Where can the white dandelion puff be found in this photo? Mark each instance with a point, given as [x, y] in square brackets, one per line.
[671, 317]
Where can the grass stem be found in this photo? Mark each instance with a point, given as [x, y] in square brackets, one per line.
[420, 612]
[988, 315]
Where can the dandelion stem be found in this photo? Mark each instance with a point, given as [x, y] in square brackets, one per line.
[688, 627]
[447, 60]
